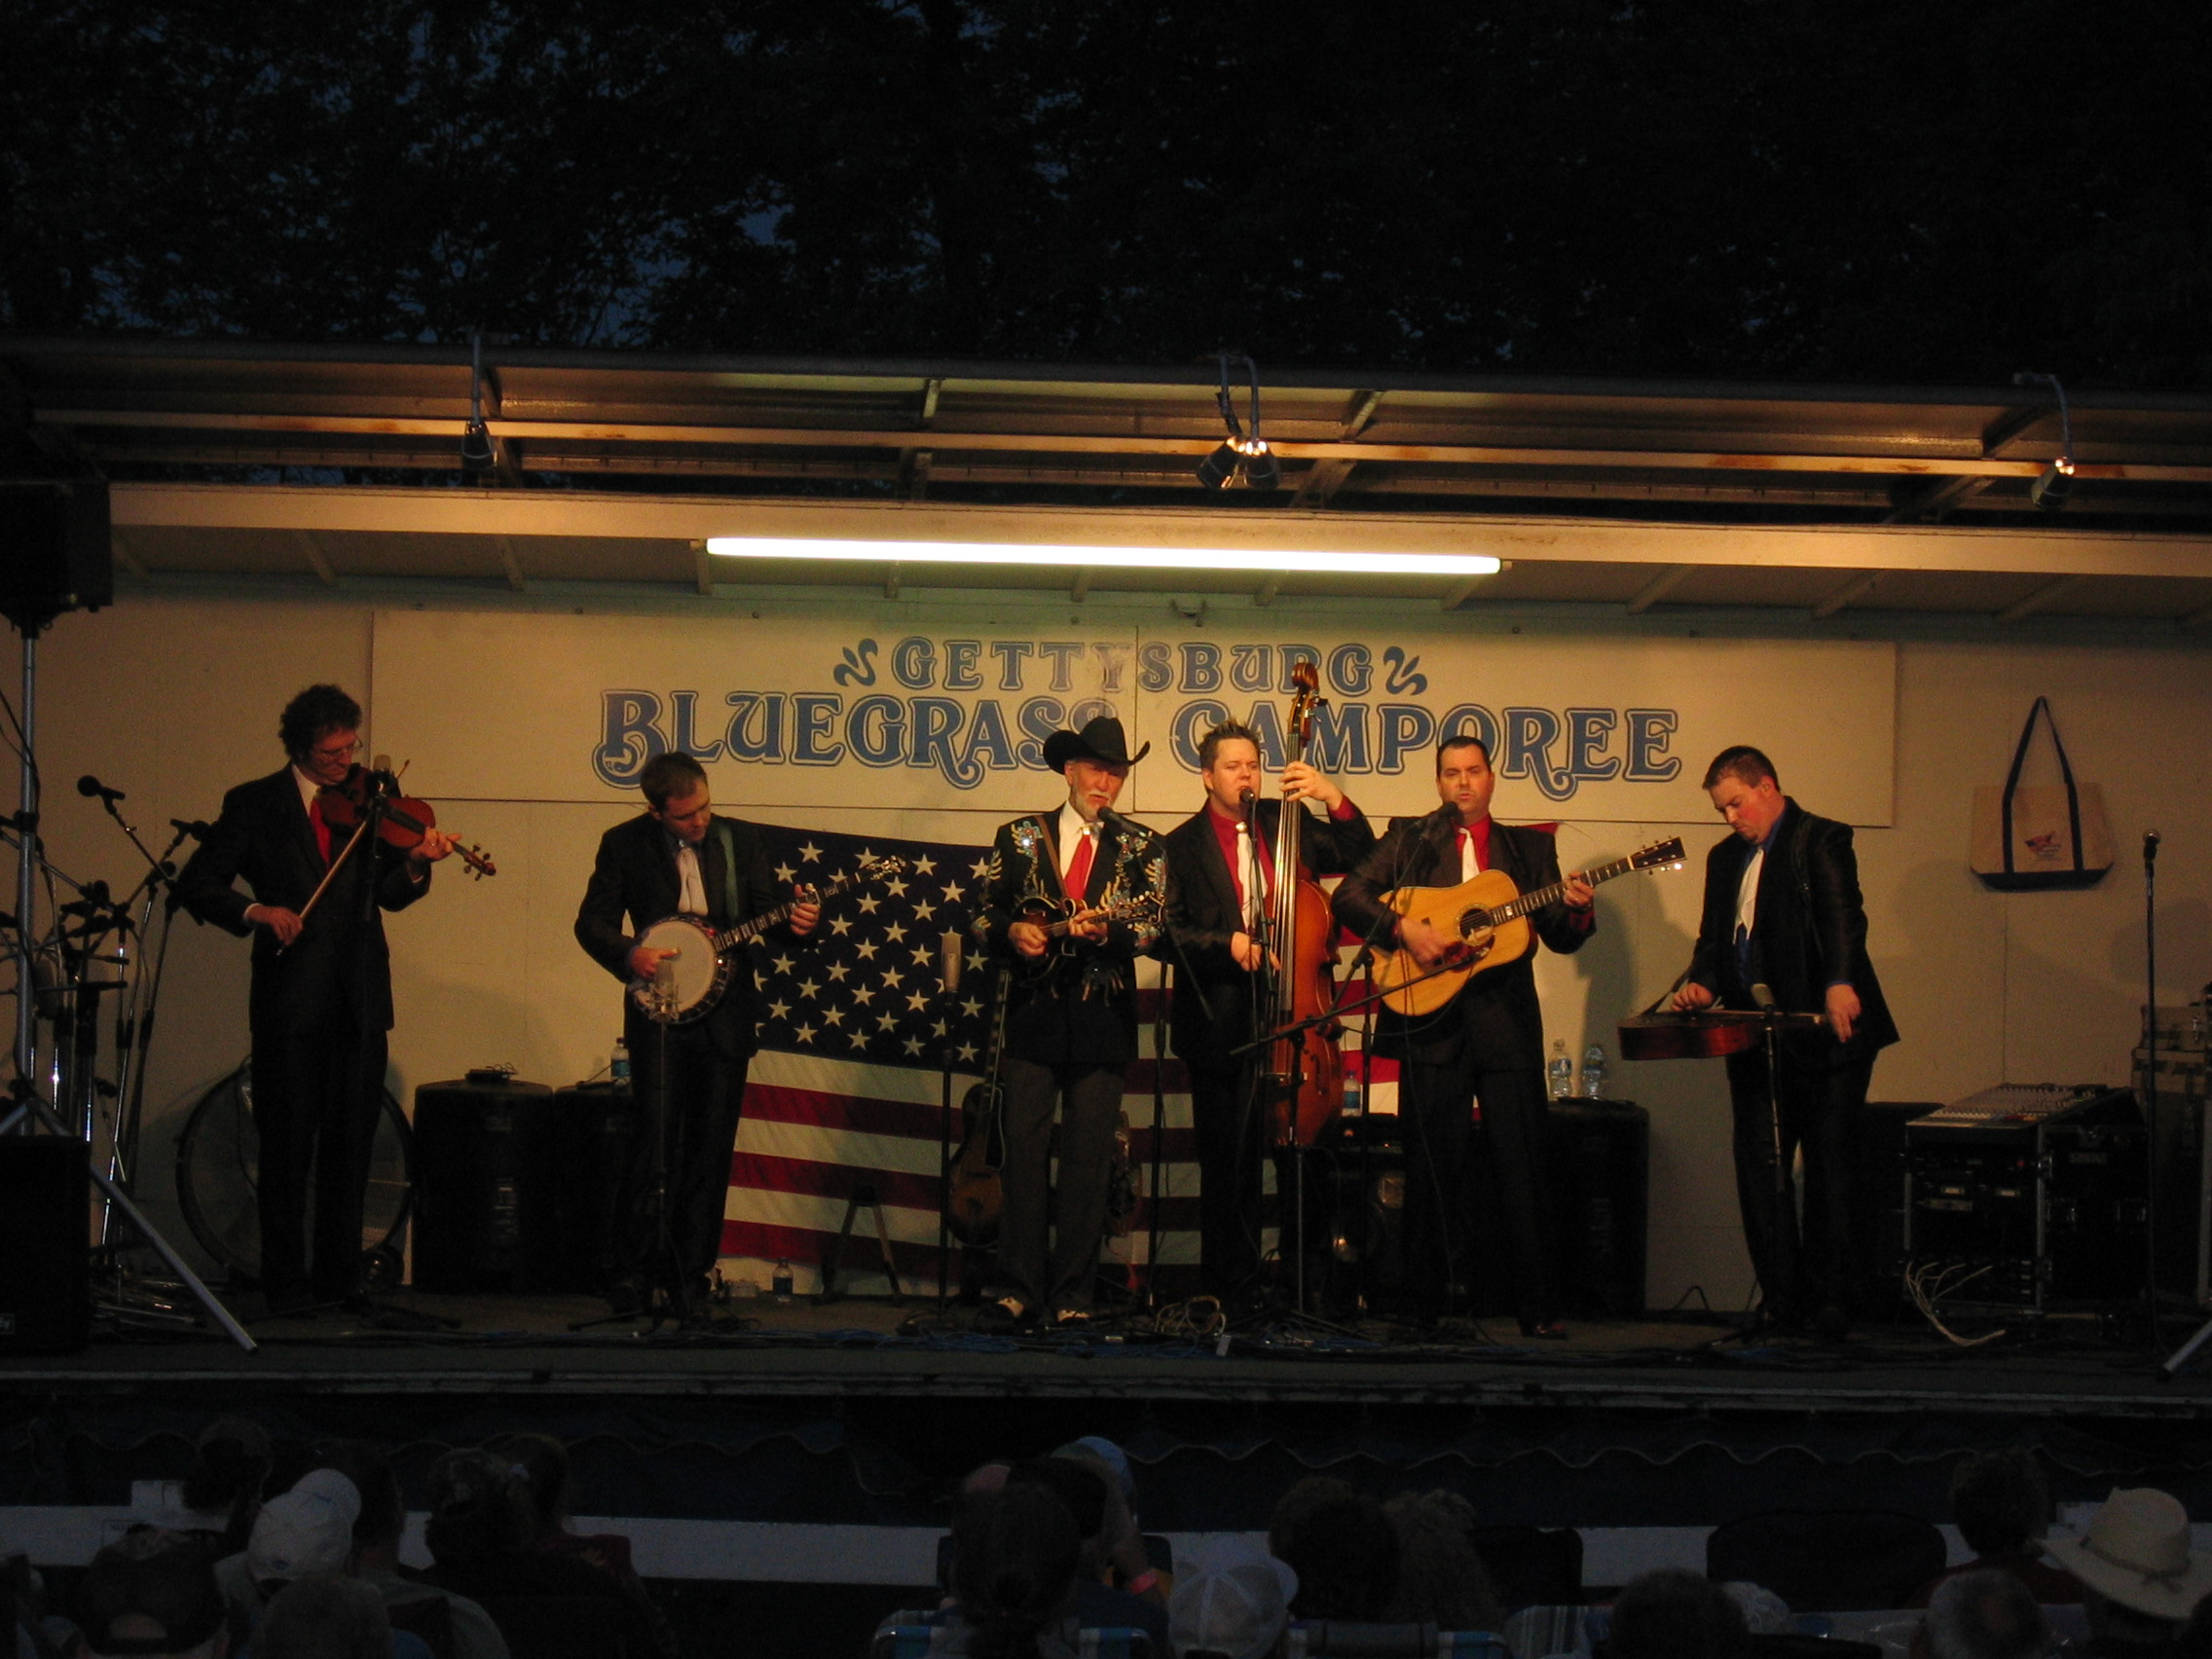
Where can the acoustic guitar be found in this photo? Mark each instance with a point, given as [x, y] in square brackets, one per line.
[1491, 915]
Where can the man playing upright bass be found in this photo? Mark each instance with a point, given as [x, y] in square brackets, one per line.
[1071, 1028]
[1221, 880]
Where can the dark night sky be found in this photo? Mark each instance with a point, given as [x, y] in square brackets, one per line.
[1889, 190]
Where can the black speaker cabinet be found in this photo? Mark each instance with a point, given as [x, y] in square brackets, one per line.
[1597, 1154]
[479, 1181]
[1878, 1190]
[1353, 1181]
[574, 1175]
[46, 1302]
[54, 548]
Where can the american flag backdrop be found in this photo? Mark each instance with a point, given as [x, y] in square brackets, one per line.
[847, 1089]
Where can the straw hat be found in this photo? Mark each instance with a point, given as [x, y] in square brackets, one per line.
[2136, 1552]
[1234, 1599]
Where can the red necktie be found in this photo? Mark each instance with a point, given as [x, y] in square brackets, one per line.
[321, 827]
[1078, 880]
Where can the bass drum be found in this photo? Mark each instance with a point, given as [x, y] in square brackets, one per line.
[218, 1162]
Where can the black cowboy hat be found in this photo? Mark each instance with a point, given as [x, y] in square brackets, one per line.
[1101, 739]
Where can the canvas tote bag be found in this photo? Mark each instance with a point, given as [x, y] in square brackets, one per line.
[2039, 835]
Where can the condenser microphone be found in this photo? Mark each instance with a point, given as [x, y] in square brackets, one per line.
[1762, 997]
[90, 786]
[2150, 848]
[195, 828]
[1246, 798]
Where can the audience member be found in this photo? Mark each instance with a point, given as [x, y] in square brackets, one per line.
[1014, 1578]
[479, 1535]
[1674, 1614]
[1084, 1494]
[2140, 1578]
[1234, 1601]
[1987, 1614]
[1765, 1614]
[1441, 1577]
[153, 1591]
[2002, 1505]
[1342, 1547]
[330, 1615]
[1130, 1568]
[542, 1465]
[457, 1628]
[221, 1492]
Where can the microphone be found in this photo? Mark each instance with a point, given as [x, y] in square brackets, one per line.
[2150, 848]
[22, 823]
[1762, 997]
[1107, 815]
[199, 829]
[89, 785]
[1246, 798]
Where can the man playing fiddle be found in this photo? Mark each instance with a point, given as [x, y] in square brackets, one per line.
[1221, 885]
[320, 1009]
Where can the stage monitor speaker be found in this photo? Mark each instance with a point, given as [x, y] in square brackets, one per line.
[55, 548]
[1354, 1185]
[1597, 1154]
[479, 1181]
[574, 1169]
[46, 1302]
[1878, 1206]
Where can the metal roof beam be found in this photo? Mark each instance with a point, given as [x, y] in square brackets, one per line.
[2041, 599]
[1851, 592]
[1659, 587]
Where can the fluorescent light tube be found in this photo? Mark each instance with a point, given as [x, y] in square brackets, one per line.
[1267, 561]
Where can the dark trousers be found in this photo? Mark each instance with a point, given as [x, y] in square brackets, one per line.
[315, 1100]
[1087, 1100]
[1231, 1133]
[1446, 1183]
[1802, 1267]
[705, 1097]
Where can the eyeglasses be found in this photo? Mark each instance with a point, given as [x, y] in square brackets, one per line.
[336, 751]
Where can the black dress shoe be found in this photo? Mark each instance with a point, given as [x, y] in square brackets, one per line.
[1006, 1314]
[1544, 1330]
[626, 1294]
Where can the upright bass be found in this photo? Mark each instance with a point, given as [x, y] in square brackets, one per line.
[1304, 1073]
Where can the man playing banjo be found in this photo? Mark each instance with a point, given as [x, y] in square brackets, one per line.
[678, 858]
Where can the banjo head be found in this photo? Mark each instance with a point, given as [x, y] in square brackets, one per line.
[696, 972]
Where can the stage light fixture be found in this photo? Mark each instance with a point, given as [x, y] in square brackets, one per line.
[2050, 492]
[1264, 561]
[476, 455]
[1243, 455]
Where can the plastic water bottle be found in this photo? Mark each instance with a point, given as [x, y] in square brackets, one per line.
[1352, 1094]
[780, 1283]
[618, 1068]
[1594, 1072]
[1559, 1074]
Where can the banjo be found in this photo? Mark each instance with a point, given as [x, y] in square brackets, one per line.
[692, 981]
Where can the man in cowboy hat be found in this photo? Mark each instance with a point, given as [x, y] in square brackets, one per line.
[1071, 1025]
[2142, 1576]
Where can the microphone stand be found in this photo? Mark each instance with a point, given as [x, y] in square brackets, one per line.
[2150, 1082]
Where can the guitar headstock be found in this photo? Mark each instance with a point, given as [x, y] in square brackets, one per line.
[1660, 854]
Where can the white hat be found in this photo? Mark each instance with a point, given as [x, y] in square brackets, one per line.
[307, 1529]
[1234, 1599]
[2136, 1552]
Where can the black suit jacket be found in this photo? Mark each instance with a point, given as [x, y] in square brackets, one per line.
[1809, 929]
[1083, 1012]
[1213, 1000]
[263, 836]
[1495, 1022]
[634, 884]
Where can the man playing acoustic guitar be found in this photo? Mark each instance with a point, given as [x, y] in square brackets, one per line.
[1485, 1044]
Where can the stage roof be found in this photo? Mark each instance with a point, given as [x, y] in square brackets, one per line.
[327, 464]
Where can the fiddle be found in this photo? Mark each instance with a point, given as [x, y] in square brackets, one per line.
[404, 822]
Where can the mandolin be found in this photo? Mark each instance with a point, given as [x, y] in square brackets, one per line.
[1491, 915]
